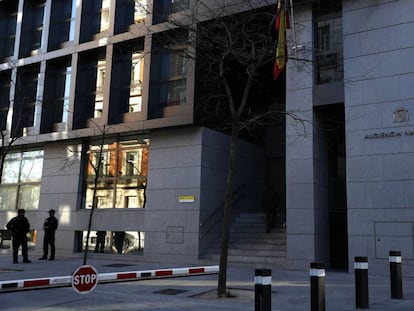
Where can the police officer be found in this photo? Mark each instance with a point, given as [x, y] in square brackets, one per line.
[19, 226]
[49, 226]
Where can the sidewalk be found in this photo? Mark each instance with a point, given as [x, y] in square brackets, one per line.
[290, 289]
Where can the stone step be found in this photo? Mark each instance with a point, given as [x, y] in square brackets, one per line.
[251, 215]
[250, 245]
[251, 220]
[248, 229]
[250, 241]
[256, 253]
[249, 260]
[269, 247]
[255, 247]
[261, 235]
[252, 252]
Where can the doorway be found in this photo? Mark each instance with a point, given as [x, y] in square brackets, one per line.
[331, 123]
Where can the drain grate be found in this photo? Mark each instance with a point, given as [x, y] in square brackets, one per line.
[11, 270]
[117, 265]
[171, 291]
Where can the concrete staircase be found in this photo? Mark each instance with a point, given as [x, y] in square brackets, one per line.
[250, 245]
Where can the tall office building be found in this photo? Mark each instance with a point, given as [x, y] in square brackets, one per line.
[96, 111]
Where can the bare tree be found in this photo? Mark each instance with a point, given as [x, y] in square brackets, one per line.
[96, 166]
[94, 161]
[237, 56]
[234, 50]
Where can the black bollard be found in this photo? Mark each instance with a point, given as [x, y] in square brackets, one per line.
[396, 275]
[263, 290]
[317, 279]
[361, 283]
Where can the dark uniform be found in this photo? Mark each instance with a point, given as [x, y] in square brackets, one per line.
[119, 237]
[49, 226]
[100, 241]
[19, 227]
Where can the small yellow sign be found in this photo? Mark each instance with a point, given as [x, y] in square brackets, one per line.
[186, 198]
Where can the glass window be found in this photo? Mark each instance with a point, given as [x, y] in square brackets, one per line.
[20, 182]
[5, 78]
[37, 24]
[11, 172]
[329, 50]
[122, 174]
[8, 22]
[8, 198]
[113, 242]
[140, 11]
[29, 197]
[31, 168]
[163, 8]
[66, 94]
[105, 15]
[72, 21]
[100, 81]
[176, 92]
[26, 98]
[137, 76]
[169, 81]
[62, 23]
[6, 243]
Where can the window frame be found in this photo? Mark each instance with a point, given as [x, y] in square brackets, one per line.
[17, 183]
[114, 185]
[329, 52]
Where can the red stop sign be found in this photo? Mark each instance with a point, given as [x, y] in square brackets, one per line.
[84, 279]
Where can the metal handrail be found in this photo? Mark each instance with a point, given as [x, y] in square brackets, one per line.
[218, 213]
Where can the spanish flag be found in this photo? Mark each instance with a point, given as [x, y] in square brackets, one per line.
[282, 23]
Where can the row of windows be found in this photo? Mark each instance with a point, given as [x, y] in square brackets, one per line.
[50, 94]
[94, 19]
[121, 169]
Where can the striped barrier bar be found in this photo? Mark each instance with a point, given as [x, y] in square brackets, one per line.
[62, 281]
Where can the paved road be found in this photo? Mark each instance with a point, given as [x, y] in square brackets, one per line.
[290, 289]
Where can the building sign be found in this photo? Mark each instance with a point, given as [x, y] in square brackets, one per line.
[400, 115]
[186, 198]
[389, 134]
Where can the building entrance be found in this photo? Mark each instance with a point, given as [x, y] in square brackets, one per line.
[331, 123]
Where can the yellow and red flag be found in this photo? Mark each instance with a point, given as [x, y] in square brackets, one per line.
[282, 23]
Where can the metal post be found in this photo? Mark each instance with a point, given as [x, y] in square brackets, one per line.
[263, 290]
[361, 283]
[396, 275]
[317, 279]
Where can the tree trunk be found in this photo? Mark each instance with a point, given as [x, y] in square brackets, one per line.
[2, 158]
[96, 169]
[94, 203]
[222, 277]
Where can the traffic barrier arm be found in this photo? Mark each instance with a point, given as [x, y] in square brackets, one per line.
[62, 281]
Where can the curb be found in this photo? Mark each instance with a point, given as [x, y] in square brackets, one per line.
[63, 281]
